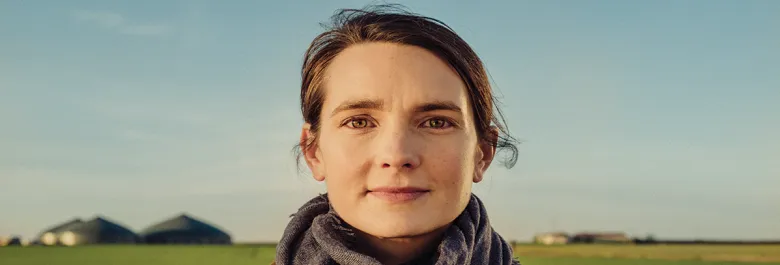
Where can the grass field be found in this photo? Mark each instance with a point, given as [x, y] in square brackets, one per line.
[529, 255]
[733, 253]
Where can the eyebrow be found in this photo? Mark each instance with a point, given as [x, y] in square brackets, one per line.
[378, 105]
[359, 104]
[438, 105]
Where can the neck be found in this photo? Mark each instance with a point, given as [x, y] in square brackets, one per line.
[399, 250]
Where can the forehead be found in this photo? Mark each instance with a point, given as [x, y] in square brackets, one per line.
[404, 74]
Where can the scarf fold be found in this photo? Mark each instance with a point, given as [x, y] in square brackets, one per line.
[316, 235]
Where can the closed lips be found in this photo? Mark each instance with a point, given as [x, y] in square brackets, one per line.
[398, 194]
[398, 190]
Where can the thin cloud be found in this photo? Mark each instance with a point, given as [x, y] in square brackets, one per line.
[118, 23]
[139, 135]
[103, 19]
[146, 30]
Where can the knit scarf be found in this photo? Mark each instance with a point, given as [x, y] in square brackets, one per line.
[317, 235]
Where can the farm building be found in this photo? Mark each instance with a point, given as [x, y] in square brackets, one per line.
[600, 238]
[49, 236]
[9, 241]
[552, 238]
[96, 231]
[184, 229]
[14, 241]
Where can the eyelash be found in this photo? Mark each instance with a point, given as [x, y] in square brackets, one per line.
[448, 123]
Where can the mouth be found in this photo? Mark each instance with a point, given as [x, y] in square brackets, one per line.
[398, 194]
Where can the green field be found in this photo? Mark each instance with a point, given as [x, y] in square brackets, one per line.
[529, 255]
[652, 254]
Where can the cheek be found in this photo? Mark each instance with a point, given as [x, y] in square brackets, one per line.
[343, 156]
[450, 163]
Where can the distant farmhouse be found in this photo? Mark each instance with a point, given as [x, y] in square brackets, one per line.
[558, 238]
[182, 229]
[601, 238]
[12, 241]
[554, 238]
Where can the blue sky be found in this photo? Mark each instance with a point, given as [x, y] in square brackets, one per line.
[656, 117]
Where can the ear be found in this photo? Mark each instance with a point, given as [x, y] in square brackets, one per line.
[311, 153]
[486, 151]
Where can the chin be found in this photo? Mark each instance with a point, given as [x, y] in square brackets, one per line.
[400, 227]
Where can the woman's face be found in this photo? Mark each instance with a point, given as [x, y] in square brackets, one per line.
[397, 146]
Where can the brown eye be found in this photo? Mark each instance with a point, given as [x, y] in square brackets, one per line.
[358, 123]
[436, 123]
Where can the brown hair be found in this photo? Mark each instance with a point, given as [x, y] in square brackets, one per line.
[393, 24]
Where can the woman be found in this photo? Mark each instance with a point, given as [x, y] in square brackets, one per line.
[399, 122]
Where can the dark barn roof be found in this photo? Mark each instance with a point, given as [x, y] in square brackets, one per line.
[101, 231]
[184, 229]
[63, 226]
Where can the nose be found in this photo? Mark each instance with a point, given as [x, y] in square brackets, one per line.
[398, 149]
